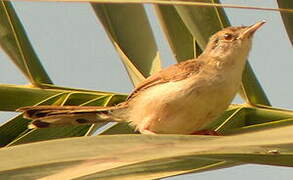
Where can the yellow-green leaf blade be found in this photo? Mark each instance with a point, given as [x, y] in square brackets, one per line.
[251, 89]
[129, 30]
[15, 131]
[287, 17]
[179, 37]
[97, 154]
[15, 43]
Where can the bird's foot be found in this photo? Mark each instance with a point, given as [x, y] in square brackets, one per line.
[206, 132]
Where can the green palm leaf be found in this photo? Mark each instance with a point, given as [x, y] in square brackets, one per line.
[96, 157]
[15, 43]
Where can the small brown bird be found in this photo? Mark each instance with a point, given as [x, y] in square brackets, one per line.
[181, 99]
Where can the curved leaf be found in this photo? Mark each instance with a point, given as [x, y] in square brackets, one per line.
[15, 43]
[93, 155]
[15, 130]
[129, 30]
[287, 17]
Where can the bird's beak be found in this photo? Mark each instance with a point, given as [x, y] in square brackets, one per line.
[250, 30]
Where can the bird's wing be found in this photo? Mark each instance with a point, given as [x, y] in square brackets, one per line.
[175, 72]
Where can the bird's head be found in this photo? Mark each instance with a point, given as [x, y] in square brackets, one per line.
[232, 41]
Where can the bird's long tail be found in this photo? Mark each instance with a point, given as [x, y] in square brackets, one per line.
[49, 116]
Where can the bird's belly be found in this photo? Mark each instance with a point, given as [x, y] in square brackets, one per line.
[171, 109]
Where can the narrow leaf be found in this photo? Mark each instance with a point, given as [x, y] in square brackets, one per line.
[287, 17]
[15, 43]
[97, 154]
[129, 30]
[179, 37]
[161, 168]
[251, 89]
[15, 131]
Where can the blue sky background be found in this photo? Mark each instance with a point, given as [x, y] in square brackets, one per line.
[75, 51]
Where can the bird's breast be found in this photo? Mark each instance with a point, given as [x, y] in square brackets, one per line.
[185, 106]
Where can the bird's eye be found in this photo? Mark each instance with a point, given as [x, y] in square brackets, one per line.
[228, 36]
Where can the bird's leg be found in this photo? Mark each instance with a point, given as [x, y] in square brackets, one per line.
[206, 132]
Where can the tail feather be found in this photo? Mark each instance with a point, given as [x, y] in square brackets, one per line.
[49, 116]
